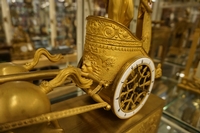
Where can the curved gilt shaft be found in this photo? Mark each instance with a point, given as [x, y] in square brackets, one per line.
[50, 116]
[38, 53]
[69, 72]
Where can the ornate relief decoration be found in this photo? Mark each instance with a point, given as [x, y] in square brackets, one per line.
[135, 88]
[150, 125]
[37, 56]
[110, 32]
[95, 64]
[115, 62]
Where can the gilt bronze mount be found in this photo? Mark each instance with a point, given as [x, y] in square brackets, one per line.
[115, 71]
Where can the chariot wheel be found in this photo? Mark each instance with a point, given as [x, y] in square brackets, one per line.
[133, 86]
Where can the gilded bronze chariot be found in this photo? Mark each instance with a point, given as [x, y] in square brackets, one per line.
[115, 71]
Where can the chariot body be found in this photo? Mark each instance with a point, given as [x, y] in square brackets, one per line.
[115, 71]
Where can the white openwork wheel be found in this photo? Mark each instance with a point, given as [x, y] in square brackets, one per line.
[133, 85]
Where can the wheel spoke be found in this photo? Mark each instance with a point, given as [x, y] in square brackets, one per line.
[135, 88]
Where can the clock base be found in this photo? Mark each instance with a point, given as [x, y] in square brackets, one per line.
[145, 121]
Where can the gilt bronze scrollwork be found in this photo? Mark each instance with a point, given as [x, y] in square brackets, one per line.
[115, 71]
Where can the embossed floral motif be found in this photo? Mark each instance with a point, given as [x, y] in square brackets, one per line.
[93, 27]
[123, 34]
[96, 70]
[108, 63]
[109, 29]
[109, 32]
[150, 125]
[98, 62]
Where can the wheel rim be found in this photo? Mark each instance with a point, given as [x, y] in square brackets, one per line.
[133, 87]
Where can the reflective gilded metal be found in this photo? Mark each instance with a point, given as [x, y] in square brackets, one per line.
[118, 8]
[115, 71]
[11, 68]
[132, 86]
[38, 54]
[26, 104]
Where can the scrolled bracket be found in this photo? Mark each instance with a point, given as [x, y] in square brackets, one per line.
[37, 55]
[69, 72]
